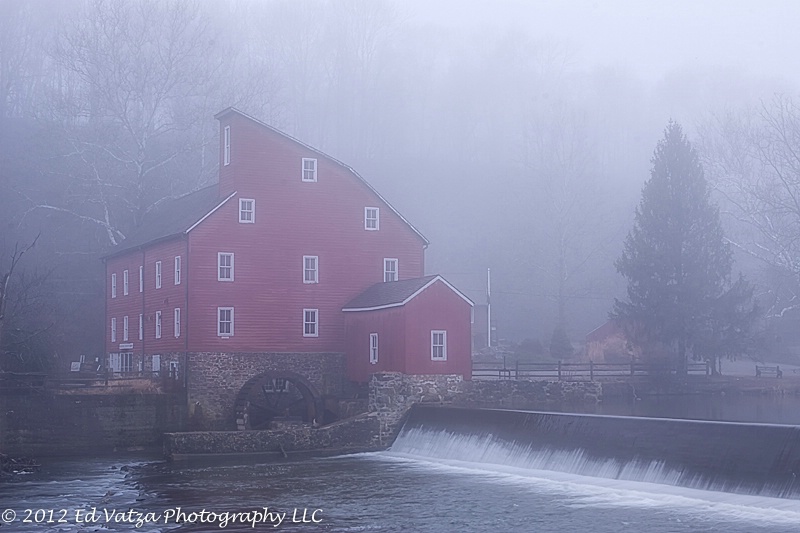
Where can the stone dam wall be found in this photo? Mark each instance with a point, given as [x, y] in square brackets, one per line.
[40, 424]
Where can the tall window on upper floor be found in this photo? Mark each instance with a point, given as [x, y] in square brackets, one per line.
[438, 345]
[158, 274]
[224, 266]
[113, 285]
[125, 328]
[309, 169]
[226, 153]
[390, 269]
[113, 330]
[310, 322]
[373, 348]
[141, 327]
[158, 324]
[310, 272]
[124, 282]
[247, 210]
[372, 220]
[177, 270]
[141, 279]
[177, 322]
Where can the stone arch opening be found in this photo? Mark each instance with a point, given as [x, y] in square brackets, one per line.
[275, 396]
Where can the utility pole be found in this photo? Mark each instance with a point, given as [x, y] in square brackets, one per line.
[489, 307]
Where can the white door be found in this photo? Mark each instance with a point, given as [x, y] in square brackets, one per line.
[113, 362]
[156, 365]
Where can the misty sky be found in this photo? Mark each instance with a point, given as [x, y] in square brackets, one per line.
[649, 37]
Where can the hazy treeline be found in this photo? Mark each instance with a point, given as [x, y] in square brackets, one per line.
[500, 149]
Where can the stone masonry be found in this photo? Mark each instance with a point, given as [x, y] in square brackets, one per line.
[215, 379]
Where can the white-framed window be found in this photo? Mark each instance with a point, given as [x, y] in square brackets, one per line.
[224, 266]
[309, 169]
[126, 362]
[372, 218]
[125, 328]
[124, 282]
[373, 348]
[114, 285]
[177, 322]
[390, 270]
[113, 330]
[177, 270]
[438, 345]
[226, 153]
[225, 321]
[158, 274]
[247, 210]
[310, 271]
[310, 322]
[158, 324]
[141, 278]
[141, 327]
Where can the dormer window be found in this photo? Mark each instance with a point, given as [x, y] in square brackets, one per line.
[226, 154]
[309, 169]
[371, 218]
[247, 210]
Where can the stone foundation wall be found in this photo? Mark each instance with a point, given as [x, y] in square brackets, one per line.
[353, 435]
[78, 424]
[393, 393]
[215, 379]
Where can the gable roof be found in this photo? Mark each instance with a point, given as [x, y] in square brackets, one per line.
[172, 218]
[229, 110]
[396, 293]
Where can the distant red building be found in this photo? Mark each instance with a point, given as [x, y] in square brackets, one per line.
[256, 282]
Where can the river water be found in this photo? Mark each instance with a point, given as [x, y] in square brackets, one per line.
[401, 490]
[374, 492]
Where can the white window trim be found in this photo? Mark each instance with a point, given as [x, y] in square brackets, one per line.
[373, 348]
[158, 274]
[124, 282]
[377, 218]
[219, 333]
[125, 328]
[252, 212]
[316, 323]
[220, 266]
[177, 322]
[313, 171]
[158, 324]
[141, 278]
[226, 150]
[443, 332]
[386, 262]
[141, 327]
[177, 270]
[315, 269]
[113, 330]
[114, 285]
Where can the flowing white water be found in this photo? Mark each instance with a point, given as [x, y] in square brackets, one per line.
[584, 480]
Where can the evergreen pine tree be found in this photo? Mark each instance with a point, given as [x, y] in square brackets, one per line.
[677, 262]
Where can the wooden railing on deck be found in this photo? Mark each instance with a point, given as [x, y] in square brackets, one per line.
[578, 371]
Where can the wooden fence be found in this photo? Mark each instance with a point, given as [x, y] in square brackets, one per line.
[578, 371]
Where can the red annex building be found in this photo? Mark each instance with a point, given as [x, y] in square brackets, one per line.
[291, 279]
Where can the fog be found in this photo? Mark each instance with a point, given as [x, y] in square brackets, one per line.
[516, 135]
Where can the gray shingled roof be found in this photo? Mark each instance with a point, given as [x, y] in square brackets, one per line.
[171, 218]
[388, 294]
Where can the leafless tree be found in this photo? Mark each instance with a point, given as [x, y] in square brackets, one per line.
[753, 159]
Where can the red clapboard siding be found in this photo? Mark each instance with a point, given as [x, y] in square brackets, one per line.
[293, 218]
[165, 299]
[404, 336]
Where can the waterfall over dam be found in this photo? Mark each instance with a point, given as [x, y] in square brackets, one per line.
[753, 459]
